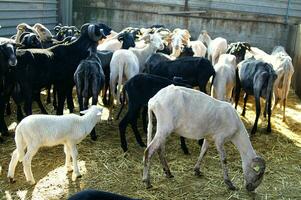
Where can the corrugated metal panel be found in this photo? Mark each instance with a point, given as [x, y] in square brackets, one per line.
[267, 7]
[14, 12]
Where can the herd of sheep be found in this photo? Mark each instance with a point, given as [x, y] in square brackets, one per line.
[153, 70]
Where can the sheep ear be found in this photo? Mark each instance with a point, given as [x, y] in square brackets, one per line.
[83, 112]
[256, 168]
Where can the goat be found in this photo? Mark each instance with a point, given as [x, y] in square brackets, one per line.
[256, 78]
[36, 131]
[89, 80]
[96, 194]
[139, 90]
[216, 47]
[215, 119]
[224, 80]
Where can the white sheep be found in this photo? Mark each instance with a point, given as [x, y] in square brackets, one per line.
[127, 63]
[193, 114]
[282, 64]
[216, 47]
[224, 80]
[36, 131]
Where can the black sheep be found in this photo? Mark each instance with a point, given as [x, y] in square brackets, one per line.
[56, 65]
[139, 90]
[97, 195]
[89, 80]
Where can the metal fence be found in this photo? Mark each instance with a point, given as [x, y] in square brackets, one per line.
[14, 12]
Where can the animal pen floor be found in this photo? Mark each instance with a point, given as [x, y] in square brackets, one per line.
[105, 167]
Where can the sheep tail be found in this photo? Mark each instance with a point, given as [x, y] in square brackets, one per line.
[121, 67]
[150, 125]
[19, 144]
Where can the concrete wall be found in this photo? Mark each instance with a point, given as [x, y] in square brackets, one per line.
[264, 31]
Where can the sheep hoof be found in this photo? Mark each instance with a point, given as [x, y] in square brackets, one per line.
[32, 182]
[197, 172]
[147, 184]
[11, 180]
[230, 185]
[269, 129]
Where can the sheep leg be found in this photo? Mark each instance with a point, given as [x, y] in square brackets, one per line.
[184, 146]
[74, 154]
[12, 166]
[148, 153]
[205, 145]
[161, 152]
[245, 103]
[8, 109]
[68, 159]
[283, 114]
[237, 88]
[269, 113]
[3, 126]
[133, 121]
[54, 103]
[70, 103]
[39, 102]
[86, 103]
[122, 128]
[144, 123]
[257, 89]
[20, 115]
[31, 151]
[221, 150]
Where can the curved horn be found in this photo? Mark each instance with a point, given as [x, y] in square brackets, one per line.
[91, 33]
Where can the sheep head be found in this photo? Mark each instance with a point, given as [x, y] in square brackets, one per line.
[254, 173]
[156, 40]
[43, 32]
[95, 32]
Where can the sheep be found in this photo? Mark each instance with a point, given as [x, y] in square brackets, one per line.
[96, 194]
[89, 80]
[43, 33]
[256, 78]
[195, 70]
[56, 65]
[214, 119]
[238, 49]
[224, 80]
[21, 28]
[127, 63]
[284, 68]
[36, 131]
[216, 47]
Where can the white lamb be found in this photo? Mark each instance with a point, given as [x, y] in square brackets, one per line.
[36, 131]
[224, 80]
[177, 110]
[216, 47]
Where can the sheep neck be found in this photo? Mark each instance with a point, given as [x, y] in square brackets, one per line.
[207, 39]
[243, 144]
[90, 121]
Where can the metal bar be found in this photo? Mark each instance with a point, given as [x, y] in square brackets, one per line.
[37, 2]
[183, 12]
[287, 11]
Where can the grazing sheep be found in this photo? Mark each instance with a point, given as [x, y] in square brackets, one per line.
[224, 80]
[216, 47]
[213, 119]
[36, 131]
[96, 194]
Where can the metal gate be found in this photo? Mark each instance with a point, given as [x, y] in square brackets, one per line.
[14, 12]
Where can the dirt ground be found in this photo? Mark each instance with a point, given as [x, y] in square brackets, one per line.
[104, 166]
